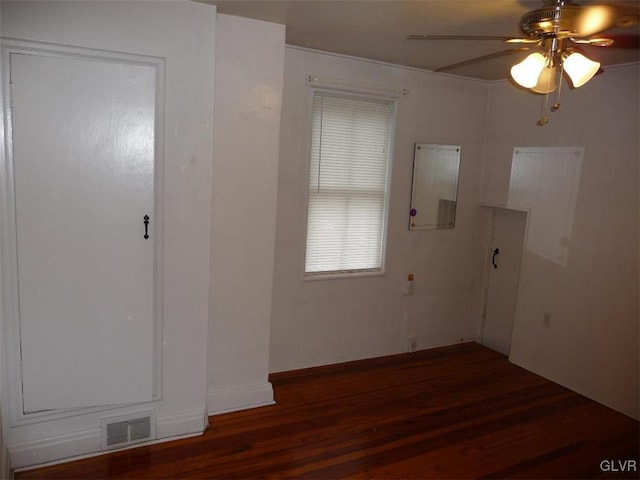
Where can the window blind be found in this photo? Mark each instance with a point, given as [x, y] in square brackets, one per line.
[348, 183]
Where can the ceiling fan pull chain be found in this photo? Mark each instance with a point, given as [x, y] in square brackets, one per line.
[556, 105]
[543, 107]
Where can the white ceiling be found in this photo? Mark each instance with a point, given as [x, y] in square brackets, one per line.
[377, 29]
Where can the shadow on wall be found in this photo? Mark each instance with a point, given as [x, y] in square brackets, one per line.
[545, 182]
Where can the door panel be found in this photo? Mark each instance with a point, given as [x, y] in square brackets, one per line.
[508, 237]
[83, 158]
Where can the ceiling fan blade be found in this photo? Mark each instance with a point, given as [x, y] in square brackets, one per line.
[480, 59]
[594, 42]
[631, 42]
[526, 41]
[456, 37]
[474, 37]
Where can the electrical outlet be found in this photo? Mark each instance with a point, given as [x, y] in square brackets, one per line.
[409, 287]
[546, 319]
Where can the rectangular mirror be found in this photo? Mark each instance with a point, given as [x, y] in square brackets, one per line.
[435, 186]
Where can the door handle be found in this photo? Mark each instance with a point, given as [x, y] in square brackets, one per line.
[493, 258]
[146, 226]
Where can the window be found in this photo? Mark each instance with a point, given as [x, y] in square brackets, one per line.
[348, 184]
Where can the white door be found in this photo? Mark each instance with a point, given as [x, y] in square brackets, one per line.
[504, 273]
[83, 158]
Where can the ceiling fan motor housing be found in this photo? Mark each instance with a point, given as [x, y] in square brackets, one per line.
[557, 17]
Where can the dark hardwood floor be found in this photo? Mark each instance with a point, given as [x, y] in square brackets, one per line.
[453, 412]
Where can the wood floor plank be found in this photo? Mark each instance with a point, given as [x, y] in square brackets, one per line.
[455, 412]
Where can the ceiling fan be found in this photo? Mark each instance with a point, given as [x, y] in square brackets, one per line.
[555, 32]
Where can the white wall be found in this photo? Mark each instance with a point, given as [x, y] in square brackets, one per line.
[4, 468]
[182, 33]
[326, 321]
[248, 96]
[592, 343]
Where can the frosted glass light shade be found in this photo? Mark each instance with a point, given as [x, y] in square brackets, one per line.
[579, 68]
[546, 81]
[526, 73]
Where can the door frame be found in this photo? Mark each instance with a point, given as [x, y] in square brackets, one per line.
[12, 399]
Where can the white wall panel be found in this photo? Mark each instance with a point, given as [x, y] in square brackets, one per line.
[249, 69]
[83, 132]
[182, 33]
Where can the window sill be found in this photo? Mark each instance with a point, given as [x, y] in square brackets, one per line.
[342, 275]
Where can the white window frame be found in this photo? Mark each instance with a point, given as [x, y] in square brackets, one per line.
[350, 94]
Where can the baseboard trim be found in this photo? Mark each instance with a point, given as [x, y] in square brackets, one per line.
[60, 447]
[63, 448]
[180, 425]
[232, 399]
[5, 468]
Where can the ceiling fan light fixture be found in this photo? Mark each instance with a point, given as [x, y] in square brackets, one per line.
[546, 81]
[579, 68]
[527, 72]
